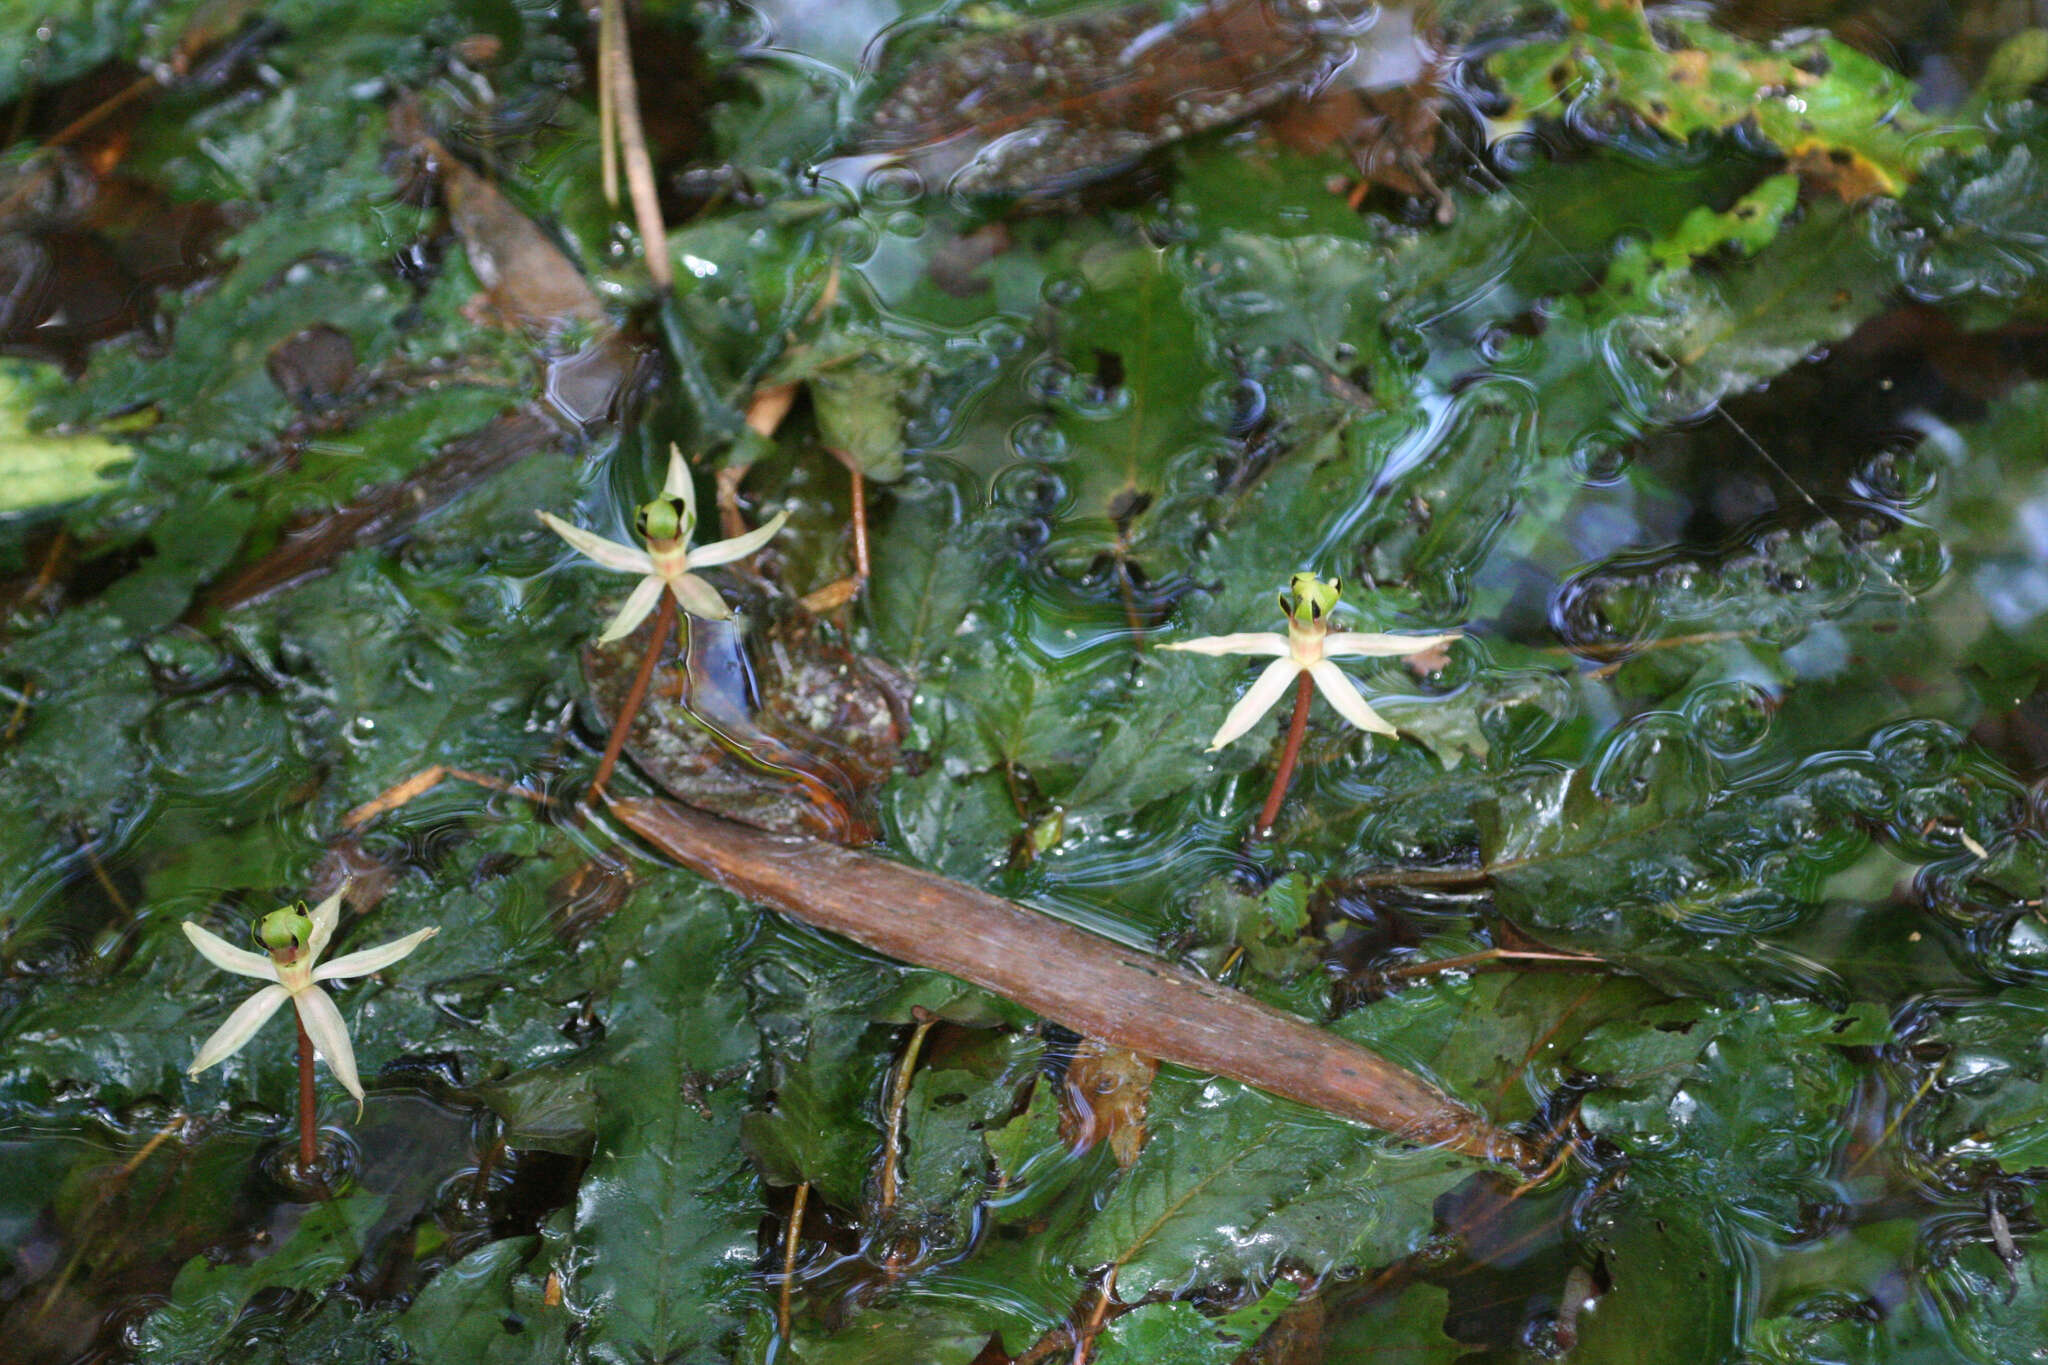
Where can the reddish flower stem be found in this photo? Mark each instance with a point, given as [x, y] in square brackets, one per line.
[309, 1148]
[664, 622]
[1297, 726]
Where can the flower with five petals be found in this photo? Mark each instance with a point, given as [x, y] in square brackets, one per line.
[1308, 647]
[665, 523]
[295, 940]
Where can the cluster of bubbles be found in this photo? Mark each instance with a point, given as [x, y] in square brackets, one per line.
[1773, 586]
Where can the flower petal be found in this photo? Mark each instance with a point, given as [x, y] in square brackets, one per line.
[638, 603]
[1342, 693]
[1256, 642]
[739, 547]
[373, 959]
[227, 956]
[330, 1039]
[240, 1027]
[1256, 701]
[326, 916]
[678, 483]
[699, 598]
[1362, 645]
[608, 553]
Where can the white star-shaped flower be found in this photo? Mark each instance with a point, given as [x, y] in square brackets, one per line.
[295, 940]
[666, 524]
[1308, 647]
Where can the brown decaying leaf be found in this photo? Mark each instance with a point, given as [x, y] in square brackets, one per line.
[530, 283]
[1048, 105]
[1101, 989]
[1390, 134]
[588, 896]
[1104, 1099]
[1833, 170]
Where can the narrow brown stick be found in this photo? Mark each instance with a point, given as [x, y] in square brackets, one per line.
[1283, 776]
[1093, 986]
[1425, 876]
[112, 892]
[664, 622]
[402, 793]
[99, 113]
[480, 1184]
[790, 1237]
[1415, 970]
[1084, 1339]
[899, 1096]
[633, 146]
[309, 1151]
[860, 523]
[60, 545]
[163, 1135]
[607, 121]
[28, 691]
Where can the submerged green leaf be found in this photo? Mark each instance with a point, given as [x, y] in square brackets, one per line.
[1259, 1181]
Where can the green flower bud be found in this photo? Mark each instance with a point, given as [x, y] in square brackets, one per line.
[663, 518]
[1312, 599]
[286, 929]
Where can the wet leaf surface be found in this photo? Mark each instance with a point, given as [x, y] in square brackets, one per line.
[1040, 107]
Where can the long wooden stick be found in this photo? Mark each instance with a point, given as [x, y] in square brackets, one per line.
[1096, 987]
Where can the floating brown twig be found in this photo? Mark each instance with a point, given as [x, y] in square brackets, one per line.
[1089, 984]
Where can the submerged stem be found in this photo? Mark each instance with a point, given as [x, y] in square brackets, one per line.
[1297, 726]
[664, 622]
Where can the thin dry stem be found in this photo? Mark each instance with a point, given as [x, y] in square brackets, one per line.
[1416, 970]
[633, 147]
[899, 1096]
[607, 120]
[99, 874]
[860, 523]
[790, 1236]
[1084, 1339]
[148, 1149]
[424, 781]
[28, 690]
